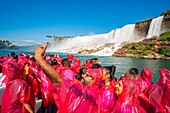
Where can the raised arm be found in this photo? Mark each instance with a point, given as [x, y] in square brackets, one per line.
[49, 71]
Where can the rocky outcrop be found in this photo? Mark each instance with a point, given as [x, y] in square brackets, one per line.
[165, 23]
[142, 27]
[151, 48]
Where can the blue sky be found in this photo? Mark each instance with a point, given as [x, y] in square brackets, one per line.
[34, 19]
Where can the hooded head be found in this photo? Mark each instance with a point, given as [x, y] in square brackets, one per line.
[164, 75]
[70, 57]
[88, 64]
[96, 75]
[13, 71]
[146, 74]
[129, 89]
[68, 74]
[77, 61]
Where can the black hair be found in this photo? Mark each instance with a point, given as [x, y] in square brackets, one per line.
[79, 74]
[96, 66]
[65, 62]
[135, 70]
[82, 71]
[12, 54]
[27, 57]
[110, 70]
[32, 58]
[0, 69]
[50, 62]
[54, 62]
[93, 60]
[52, 55]
[15, 57]
[78, 77]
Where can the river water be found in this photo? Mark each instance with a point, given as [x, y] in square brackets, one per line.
[122, 63]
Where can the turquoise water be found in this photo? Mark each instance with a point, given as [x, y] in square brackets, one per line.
[122, 63]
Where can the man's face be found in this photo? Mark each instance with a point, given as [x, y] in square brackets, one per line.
[88, 79]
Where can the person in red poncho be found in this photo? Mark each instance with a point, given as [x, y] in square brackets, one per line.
[133, 74]
[70, 58]
[107, 96]
[146, 76]
[16, 98]
[73, 97]
[157, 93]
[76, 66]
[166, 97]
[66, 70]
[127, 101]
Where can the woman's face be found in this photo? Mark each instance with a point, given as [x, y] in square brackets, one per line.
[104, 75]
[119, 88]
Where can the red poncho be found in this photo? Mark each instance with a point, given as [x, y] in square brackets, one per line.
[166, 97]
[146, 75]
[70, 57]
[128, 100]
[67, 74]
[17, 91]
[46, 89]
[76, 66]
[74, 97]
[107, 97]
[156, 91]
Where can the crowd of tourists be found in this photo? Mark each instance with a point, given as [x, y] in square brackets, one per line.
[66, 86]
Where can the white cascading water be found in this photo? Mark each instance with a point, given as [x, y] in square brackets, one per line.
[125, 34]
[61, 44]
[155, 27]
[117, 36]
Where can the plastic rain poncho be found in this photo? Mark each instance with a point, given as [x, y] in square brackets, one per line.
[17, 91]
[146, 75]
[128, 100]
[107, 97]
[166, 97]
[155, 92]
[46, 89]
[74, 97]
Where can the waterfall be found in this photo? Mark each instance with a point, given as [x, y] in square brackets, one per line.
[62, 44]
[125, 34]
[155, 26]
[116, 36]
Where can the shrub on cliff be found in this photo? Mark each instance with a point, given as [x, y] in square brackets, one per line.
[166, 12]
[164, 36]
[142, 47]
[164, 50]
